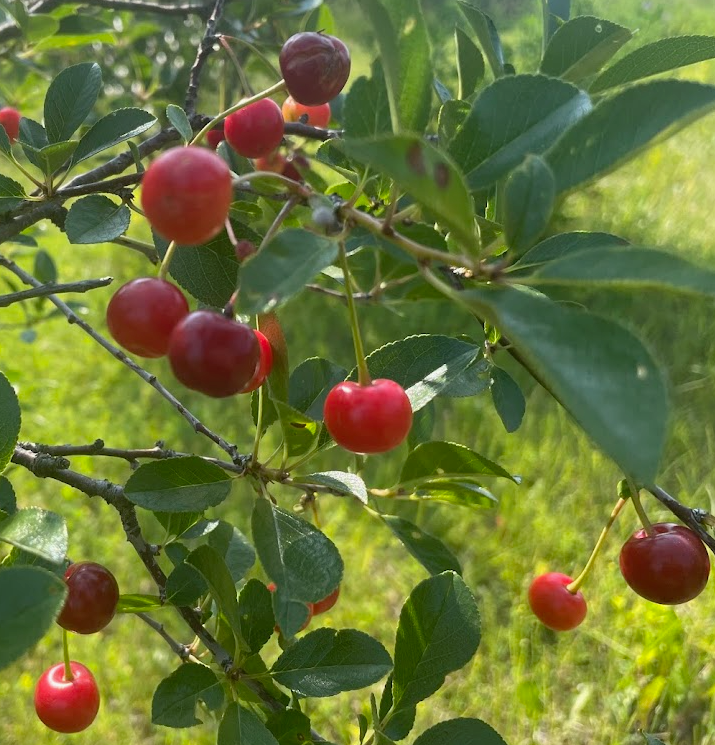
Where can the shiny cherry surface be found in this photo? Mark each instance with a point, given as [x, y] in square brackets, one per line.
[326, 603]
[554, 605]
[317, 116]
[263, 369]
[215, 136]
[67, 706]
[10, 120]
[92, 597]
[256, 130]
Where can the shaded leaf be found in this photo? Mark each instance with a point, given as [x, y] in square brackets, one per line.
[487, 34]
[139, 603]
[460, 731]
[112, 129]
[96, 219]
[347, 484]
[70, 98]
[241, 726]
[434, 556]
[9, 421]
[310, 384]
[38, 532]
[470, 64]
[175, 699]
[237, 552]
[508, 399]
[255, 612]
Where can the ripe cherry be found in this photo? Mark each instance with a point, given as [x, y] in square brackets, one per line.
[326, 603]
[215, 136]
[554, 605]
[142, 314]
[669, 567]
[265, 363]
[255, 130]
[317, 116]
[272, 588]
[273, 162]
[186, 194]
[67, 705]
[92, 597]
[10, 120]
[372, 418]
[314, 66]
[213, 354]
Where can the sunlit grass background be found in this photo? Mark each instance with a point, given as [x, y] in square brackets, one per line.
[631, 664]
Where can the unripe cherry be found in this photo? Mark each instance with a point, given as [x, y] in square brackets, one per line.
[316, 116]
[255, 130]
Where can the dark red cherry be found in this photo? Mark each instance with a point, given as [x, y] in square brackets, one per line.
[92, 597]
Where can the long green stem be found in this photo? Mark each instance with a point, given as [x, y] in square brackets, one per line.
[363, 372]
[635, 498]
[66, 650]
[164, 268]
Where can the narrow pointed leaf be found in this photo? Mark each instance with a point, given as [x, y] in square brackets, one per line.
[211, 566]
[555, 12]
[177, 116]
[139, 603]
[470, 64]
[487, 34]
[347, 484]
[111, 130]
[508, 399]
[434, 556]
[448, 459]
[11, 194]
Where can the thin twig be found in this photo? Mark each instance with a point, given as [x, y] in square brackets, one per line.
[312, 133]
[202, 54]
[52, 289]
[182, 650]
[691, 517]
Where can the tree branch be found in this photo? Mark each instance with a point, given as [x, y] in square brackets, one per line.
[202, 54]
[182, 650]
[693, 518]
[311, 133]
[52, 289]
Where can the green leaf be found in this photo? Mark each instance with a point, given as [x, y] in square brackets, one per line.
[599, 372]
[70, 98]
[424, 172]
[32, 599]
[186, 484]
[651, 739]
[302, 561]
[177, 116]
[96, 219]
[451, 117]
[651, 59]
[241, 726]
[514, 116]
[208, 272]
[326, 662]
[52, 157]
[470, 63]
[555, 12]
[212, 567]
[40, 27]
[299, 431]
[44, 267]
[446, 460]
[422, 426]
[400, 723]
[8, 501]
[9, 421]
[237, 552]
[346, 484]
[176, 697]
[529, 198]
[282, 268]
[581, 47]
[508, 399]
[177, 523]
[11, 194]
[139, 603]
[438, 633]
[5, 145]
[460, 731]
[32, 134]
[111, 130]
[38, 532]
[255, 612]
[621, 127]
[185, 585]
[290, 726]
[434, 556]
[366, 111]
[487, 34]
[310, 384]
[459, 492]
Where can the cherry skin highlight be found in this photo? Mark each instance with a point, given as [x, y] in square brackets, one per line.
[256, 130]
[67, 706]
[142, 314]
[553, 604]
[317, 116]
[670, 567]
[215, 136]
[373, 418]
[314, 66]
[213, 354]
[92, 597]
[186, 194]
[265, 363]
[327, 602]
[10, 120]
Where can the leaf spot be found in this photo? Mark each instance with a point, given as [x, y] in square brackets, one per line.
[441, 175]
[415, 159]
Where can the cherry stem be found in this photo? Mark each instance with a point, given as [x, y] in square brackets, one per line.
[66, 649]
[635, 498]
[277, 88]
[168, 256]
[574, 586]
[363, 373]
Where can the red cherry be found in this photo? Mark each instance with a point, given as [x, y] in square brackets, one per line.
[265, 363]
[244, 249]
[368, 419]
[314, 66]
[215, 136]
[92, 597]
[142, 314]
[67, 706]
[273, 162]
[272, 588]
[326, 603]
[10, 120]
[213, 354]
[255, 130]
[554, 605]
[186, 194]
[318, 116]
[669, 567]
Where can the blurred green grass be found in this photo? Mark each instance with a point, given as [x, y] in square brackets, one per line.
[630, 665]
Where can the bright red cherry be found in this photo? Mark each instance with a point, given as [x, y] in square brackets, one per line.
[186, 194]
[314, 66]
[213, 354]
[326, 603]
[255, 130]
[215, 136]
[92, 597]
[554, 605]
[368, 419]
[142, 314]
[67, 705]
[272, 588]
[263, 369]
[318, 116]
[669, 567]
[10, 120]
[273, 162]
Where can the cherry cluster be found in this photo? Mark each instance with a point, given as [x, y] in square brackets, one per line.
[66, 695]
